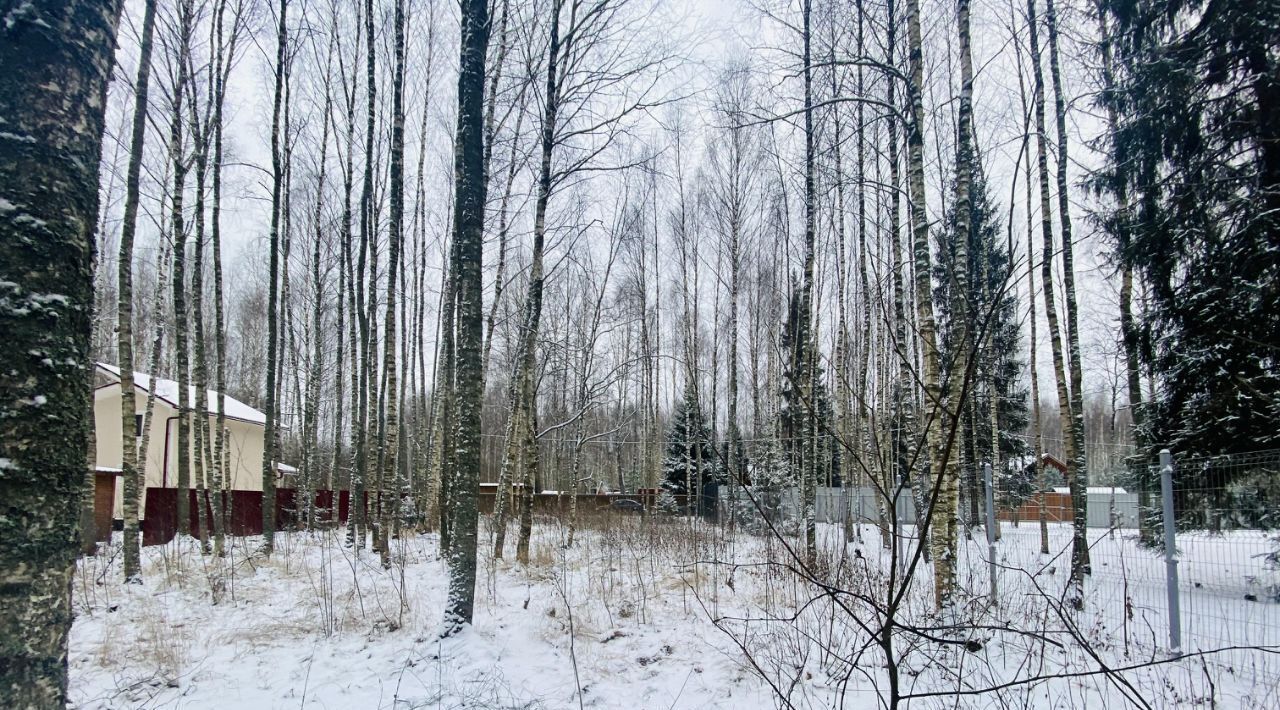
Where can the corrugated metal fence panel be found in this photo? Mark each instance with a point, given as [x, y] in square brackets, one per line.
[1104, 510]
[244, 512]
[1107, 511]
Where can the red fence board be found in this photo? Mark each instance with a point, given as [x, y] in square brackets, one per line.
[244, 512]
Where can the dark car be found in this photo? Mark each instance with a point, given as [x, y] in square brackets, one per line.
[627, 505]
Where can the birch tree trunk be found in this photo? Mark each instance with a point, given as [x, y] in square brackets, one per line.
[524, 401]
[469, 201]
[841, 357]
[1077, 471]
[446, 389]
[1046, 227]
[861, 411]
[904, 410]
[157, 350]
[270, 437]
[939, 502]
[347, 309]
[1037, 443]
[133, 485]
[360, 483]
[807, 363]
[57, 60]
[179, 235]
[224, 59]
[389, 448]
[944, 534]
[311, 433]
[203, 443]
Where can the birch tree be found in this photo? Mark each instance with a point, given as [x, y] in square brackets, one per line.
[389, 446]
[133, 484]
[942, 500]
[1046, 266]
[590, 59]
[270, 437]
[57, 60]
[1077, 473]
[179, 55]
[468, 235]
[944, 532]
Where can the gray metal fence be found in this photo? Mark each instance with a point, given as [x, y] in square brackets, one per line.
[1204, 569]
[1105, 510]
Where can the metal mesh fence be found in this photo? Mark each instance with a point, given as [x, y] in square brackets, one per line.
[1227, 520]
[1226, 532]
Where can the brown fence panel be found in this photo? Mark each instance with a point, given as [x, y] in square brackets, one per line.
[104, 501]
[244, 511]
[1057, 509]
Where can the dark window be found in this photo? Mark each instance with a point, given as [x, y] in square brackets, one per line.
[137, 425]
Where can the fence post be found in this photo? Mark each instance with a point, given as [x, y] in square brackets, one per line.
[1170, 550]
[991, 529]
[899, 543]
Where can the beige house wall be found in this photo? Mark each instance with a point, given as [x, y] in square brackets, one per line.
[244, 444]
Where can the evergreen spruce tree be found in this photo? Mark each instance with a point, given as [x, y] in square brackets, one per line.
[1195, 95]
[770, 476]
[993, 310]
[795, 410]
[691, 467]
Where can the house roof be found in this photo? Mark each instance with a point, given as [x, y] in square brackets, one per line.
[167, 390]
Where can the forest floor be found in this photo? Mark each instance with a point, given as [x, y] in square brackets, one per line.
[668, 614]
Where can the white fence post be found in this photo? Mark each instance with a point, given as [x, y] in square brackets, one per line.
[1170, 551]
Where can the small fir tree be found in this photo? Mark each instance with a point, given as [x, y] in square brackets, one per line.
[794, 416]
[997, 366]
[690, 467]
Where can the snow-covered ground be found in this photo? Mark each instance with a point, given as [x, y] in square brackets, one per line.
[666, 615]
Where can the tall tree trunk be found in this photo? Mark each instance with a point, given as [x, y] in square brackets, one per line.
[469, 201]
[1077, 471]
[124, 334]
[904, 410]
[944, 533]
[490, 131]
[57, 60]
[937, 505]
[529, 479]
[503, 496]
[524, 401]
[1128, 324]
[389, 447]
[347, 309]
[840, 361]
[178, 160]
[368, 244]
[270, 436]
[1037, 443]
[734, 437]
[311, 426]
[446, 391]
[423, 439]
[806, 364]
[1046, 228]
[861, 411]
[224, 59]
[157, 350]
[203, 442]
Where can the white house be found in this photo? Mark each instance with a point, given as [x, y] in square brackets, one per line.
[244, 427]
